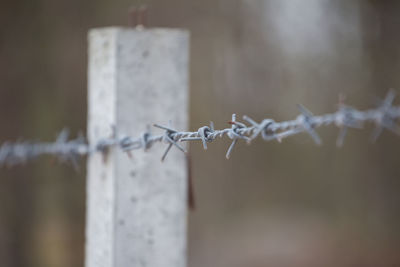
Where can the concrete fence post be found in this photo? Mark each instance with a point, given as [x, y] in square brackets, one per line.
[136, 207]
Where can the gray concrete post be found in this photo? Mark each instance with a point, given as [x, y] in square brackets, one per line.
[136, 208]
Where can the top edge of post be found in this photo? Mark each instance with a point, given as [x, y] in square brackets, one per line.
[138, 30]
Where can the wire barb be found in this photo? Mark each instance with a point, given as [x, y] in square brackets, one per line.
[345, 119]
[171, 137]
[235, 134]
[307, 123]
[384, 117]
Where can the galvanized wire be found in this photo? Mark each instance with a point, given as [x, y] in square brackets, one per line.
[384, 117]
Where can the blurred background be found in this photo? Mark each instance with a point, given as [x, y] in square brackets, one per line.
[271, 204]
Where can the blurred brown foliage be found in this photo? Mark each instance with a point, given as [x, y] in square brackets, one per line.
[290, 204]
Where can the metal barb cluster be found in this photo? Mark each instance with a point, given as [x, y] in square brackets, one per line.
[384, 117]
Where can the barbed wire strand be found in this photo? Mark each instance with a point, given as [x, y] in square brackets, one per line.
[384, 117]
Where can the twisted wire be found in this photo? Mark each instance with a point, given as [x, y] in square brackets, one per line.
[384, 117]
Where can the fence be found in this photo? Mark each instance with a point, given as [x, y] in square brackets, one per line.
[384, 117]
[137, 208]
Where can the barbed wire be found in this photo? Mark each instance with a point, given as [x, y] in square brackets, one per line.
[384, 117]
